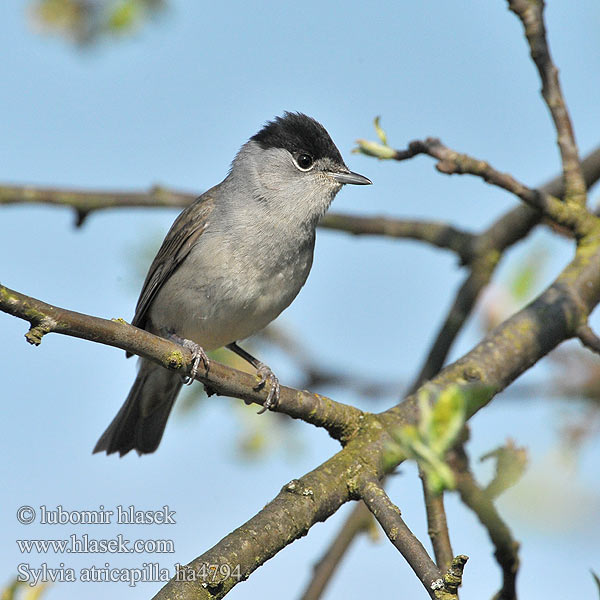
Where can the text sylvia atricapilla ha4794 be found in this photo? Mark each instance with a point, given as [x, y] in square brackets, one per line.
[231, 262]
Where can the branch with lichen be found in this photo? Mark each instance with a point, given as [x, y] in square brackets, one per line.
[338, 419]
[571, 216]
[484, 253]
[506, 352]
[520, 341]
[499, 359]
[390, 518]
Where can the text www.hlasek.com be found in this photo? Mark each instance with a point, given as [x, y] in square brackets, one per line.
[85, 545]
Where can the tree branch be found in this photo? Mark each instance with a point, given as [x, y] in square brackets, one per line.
[553, 316]
[300, 504]
[502, 234]
[531, 14]
[340, 420]
[460, 310]
[481, 503]
[450, 162]
[437, 525]
[86, 201]
[499, 359]
[437, 234]
[487, 249]
[389, 517]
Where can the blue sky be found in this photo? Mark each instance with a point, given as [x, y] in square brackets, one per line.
[172, 105]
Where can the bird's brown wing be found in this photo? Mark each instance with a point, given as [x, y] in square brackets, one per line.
[182, 236]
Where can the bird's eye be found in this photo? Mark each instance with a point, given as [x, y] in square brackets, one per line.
[305, 161]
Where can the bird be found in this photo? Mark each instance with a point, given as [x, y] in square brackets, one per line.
[231, 262]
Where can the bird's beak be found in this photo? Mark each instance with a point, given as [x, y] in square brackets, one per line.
[350, 177]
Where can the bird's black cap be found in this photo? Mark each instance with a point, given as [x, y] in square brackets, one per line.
[298, 133]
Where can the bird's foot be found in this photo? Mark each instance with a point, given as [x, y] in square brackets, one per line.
[198, 355]
[267, 376]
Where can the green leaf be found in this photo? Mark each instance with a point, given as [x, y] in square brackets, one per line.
[511, 463]
[380, 132]
[448, 418]
[374, 149]
[442, 415]
[381, 151]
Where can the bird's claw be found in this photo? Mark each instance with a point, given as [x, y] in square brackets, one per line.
[198, 355]
[266, 375]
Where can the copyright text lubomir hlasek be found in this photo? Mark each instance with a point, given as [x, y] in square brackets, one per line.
[122, 515]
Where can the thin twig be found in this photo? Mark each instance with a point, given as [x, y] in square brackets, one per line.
[389, 517]
[437, 525]
[86, 201]
[481, 503]
[531, 14]
[450, 162]
[441, 584]
[436, 233]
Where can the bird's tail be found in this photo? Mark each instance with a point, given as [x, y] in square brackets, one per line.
[141, 421]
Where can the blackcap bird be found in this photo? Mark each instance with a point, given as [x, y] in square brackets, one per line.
[231, 262]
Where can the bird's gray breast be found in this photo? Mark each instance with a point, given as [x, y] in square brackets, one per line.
[233, 283]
